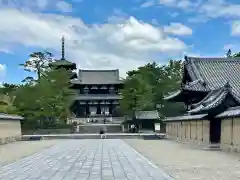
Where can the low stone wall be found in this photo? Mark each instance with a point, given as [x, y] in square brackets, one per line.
[10, 128]
[191, 131]
[52, 131]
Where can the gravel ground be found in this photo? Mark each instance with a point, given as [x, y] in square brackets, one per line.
[17, 150]
[186, 163]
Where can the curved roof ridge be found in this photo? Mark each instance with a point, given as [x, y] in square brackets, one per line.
[214, 59]
[211, 93]
[216, 101]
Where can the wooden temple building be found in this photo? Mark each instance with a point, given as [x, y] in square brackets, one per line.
[210, 90]
[97, 91]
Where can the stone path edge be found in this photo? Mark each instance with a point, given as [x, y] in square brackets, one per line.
[169, 177]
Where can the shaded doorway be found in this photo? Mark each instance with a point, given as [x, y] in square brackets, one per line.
[215, 130]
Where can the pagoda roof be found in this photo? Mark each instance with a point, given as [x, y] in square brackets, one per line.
[207, 74]
[98, 77]
[62, 62]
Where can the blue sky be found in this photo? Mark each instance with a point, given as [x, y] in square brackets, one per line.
[119, 34]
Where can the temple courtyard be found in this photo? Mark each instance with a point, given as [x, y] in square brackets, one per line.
[114, 159]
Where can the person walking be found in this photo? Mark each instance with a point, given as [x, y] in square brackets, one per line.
[103, 131]
[132, 128]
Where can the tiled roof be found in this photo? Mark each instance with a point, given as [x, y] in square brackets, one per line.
[192, 86]
[214, 99]
[215, 72]
[231, 112]
[196, 85]
[62, 62]
[98, 77]
[172, 95]
[186, 117]
[9, 116]
[98, 97]
[146, 115]
[209, 74]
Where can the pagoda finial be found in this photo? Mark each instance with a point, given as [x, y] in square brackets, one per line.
[63, 48]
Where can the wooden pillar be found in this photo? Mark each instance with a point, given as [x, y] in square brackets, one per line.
[190, 129]
[185, 127]
[232, 131]
[196, 130]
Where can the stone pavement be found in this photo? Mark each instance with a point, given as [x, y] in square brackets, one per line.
[106, 159]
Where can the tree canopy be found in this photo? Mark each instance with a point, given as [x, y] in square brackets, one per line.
[229, 54]
[50, 98]
[38, 63]
[145, 87]
[46, 99]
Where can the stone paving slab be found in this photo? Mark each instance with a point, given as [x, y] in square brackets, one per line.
[104, 159]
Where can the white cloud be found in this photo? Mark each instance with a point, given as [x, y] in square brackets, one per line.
[234, 46]
[198, 19]
[236, 28]
[42, 3]
[204, 9]
[2, 68]
[228, 46]
[124, 45]
[2, 72]
[25, 4]
[220, 8]
[178, 29]
[167, 2]
[182, 4]
[64, 6]
[173, 14]
[5, 50]
[154, 22]
[147, 4]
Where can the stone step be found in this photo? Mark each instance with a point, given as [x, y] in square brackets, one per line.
[93, 136]
[212, 147]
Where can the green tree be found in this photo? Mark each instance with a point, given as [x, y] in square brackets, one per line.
[6, 104]
[38, 63]
[8, 88]
[48, 100]
[137, 95]
[236, 54]
[232, 55]
[157, 81]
